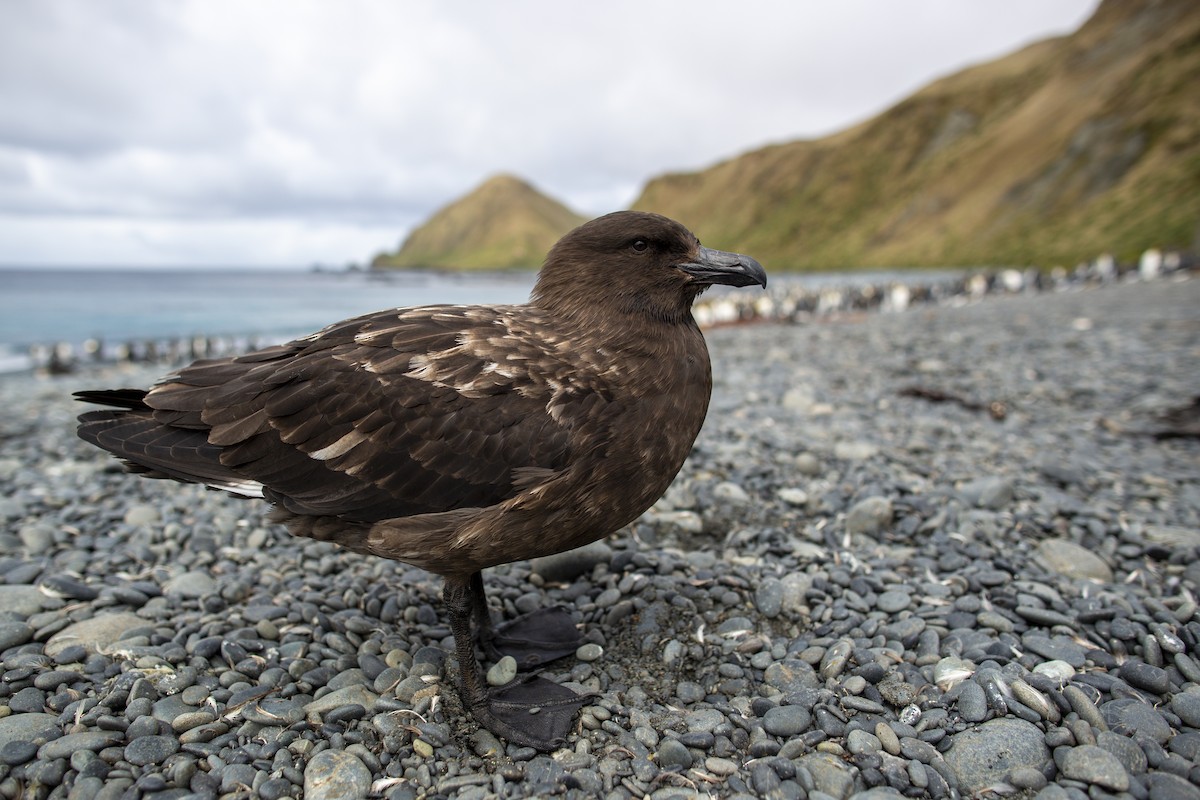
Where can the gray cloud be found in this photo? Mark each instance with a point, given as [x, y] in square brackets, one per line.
[152, 129]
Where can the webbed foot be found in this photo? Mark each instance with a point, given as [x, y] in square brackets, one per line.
[531, 711]
[536, 638]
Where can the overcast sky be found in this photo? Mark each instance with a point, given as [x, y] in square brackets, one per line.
[287, 132]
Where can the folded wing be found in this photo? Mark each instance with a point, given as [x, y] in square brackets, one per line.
[388, 415]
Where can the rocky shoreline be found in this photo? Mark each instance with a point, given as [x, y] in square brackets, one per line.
[948, 552]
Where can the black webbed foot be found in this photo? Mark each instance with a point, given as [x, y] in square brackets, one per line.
[536, 638]
[530, 711]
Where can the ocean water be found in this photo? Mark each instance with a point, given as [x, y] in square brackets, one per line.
[72, 306]
[40, 308]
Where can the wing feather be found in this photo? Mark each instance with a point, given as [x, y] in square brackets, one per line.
[392, 414]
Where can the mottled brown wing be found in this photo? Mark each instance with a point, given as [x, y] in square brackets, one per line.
[388, 415]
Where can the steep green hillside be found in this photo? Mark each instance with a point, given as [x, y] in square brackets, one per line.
[1068, 148]
[504, 223]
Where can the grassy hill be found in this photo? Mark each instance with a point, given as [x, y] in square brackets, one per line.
[1068, 148]
[503, 224]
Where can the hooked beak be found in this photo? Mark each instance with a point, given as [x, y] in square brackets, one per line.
[732, 269]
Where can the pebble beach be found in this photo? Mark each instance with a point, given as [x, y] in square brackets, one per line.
[949, 552]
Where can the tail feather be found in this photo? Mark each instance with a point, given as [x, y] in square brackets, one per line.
[156, 450]
[132, 399]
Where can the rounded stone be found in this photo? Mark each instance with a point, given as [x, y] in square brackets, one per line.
[193, 584]
[985, 755]
[571, 564]
[1059, 671]
[786, 721]
[870, 515]
[830, 774]
[731, 494]
[972, 703]
[1146, 676]
[1165, 786]
[859, 741]
[150, 749]
[1027, 778]
[141, 515]
[768, 597]
[1093, 764]
[589, 652]
[703, 719]
[893, 602]
[13, 634]
[1130, 754]
[15, 753]
[791, 675]
[1186, 706]
[94, 633]
[503, 672]
[1073, 561]
[991, 492]
[672, 753]
[720, 766]
[336, 775]
[794, 497]
[1134, 715]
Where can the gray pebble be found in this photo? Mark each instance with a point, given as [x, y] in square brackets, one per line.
[1093, 764]
[703, 719]
[1073, 561]
[893, 602]
[1058, 648]
[991, 492]
[689, 692]
[1165, 786]
[786, 721]
[887, 738]
[589, 652]
[16, 753]
[273, 711]
[984, 755]
[972, 703]
[1186, 706]
[94, 633]
[24, 601]
[13, 634]
[1144, 676]
[141, 515]
[869, 516]
[1127, 751]
[1027, 778]
[791, 675]
[29, 700]
[768, 597]
[150, 750]
[720, 767]
[859, 742]
[235, 777]
[672, 753]
[608, 598]
[1134, 715]
[830, 774]
[336, 775]
[85, 740]
[503, 672]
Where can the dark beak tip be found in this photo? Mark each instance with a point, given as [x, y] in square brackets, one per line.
[753, 272]
[759, 274]
[731, 269]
